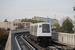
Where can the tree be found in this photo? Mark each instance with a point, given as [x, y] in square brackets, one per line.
[67, 25]
[20, 26]
[31, 20]
[3, 37]
[5, 20]
[56, 25]
[8, 28]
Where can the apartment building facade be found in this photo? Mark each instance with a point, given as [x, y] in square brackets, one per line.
[14, 25]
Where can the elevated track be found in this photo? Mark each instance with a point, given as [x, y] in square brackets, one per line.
[18, 40]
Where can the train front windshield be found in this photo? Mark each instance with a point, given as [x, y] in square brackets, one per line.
[45, 28]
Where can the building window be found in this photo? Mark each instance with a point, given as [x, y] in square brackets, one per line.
[27, 24]
[23, 24]
[19, 23]
[14, 24]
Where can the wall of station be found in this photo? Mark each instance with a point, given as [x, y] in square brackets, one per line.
[66, 38]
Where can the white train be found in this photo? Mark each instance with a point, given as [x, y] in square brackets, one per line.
[41, 32]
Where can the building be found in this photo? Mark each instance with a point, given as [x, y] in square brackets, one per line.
[46, 19]
[14, 25]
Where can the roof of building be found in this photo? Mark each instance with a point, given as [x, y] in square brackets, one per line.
[40, 17]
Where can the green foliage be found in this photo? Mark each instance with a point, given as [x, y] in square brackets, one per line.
[5, 20]
[8, 28]
[2, 32]
[20, 26]
[3, 37]
[31, 20]
[67, 25]
[56, 25]
[3, 40]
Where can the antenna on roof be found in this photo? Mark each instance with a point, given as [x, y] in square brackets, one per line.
[47, 16]
[54, 16]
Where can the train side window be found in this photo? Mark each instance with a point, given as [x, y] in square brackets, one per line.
[35, 29]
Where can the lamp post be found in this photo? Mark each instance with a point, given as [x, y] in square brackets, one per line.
[74, 20]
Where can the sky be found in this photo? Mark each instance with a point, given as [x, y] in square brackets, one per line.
[20, 9]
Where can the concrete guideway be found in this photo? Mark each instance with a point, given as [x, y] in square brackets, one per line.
[14, 44]
[11, 43]
[35, 45]
[30, 46]
[17, 43]
[22, 43]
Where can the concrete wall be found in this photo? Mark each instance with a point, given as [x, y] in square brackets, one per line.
[9, 44]
[66, 38]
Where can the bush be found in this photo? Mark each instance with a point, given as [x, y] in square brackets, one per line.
[3, 37]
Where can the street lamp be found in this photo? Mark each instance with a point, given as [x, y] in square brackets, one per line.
[74, 20]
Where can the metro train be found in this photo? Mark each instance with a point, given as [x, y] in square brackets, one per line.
[41, 33]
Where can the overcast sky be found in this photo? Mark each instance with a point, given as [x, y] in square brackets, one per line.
[18, 9]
